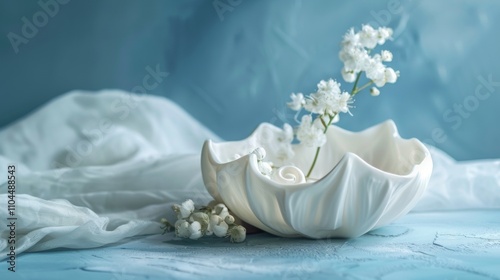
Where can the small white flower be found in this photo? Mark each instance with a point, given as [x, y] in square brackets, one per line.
[184, 210]
[374, 91]
[218, 226]
[182, 229]
[309, 134]
[221, 210]
[312, 105]
[368, 37]
[201, 218]
[224, 213]
[351, 39]
[229, 220]
[195, 230]
[297, 101]
[238, 234]
[376, 72]
[390, 75]
[355, 59]
[187, 207]
[384, 33]
[348, 76]
[327, 100]
[260, 153]
[386, 56]
[265, 167]
[343, 102]
[354, 54]
[328, 87]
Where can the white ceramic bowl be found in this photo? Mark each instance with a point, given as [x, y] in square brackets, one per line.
[365, 180]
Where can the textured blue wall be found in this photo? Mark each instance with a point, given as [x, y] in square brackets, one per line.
[234, 68]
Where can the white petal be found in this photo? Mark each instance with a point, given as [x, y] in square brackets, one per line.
[220, 230]
[195, 230]
[183, 230]
[265, 168]
[238, 234]
[390, 75]
[260, 153]
[374, 91]
[348, 76]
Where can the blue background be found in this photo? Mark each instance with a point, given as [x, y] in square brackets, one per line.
[234, 68]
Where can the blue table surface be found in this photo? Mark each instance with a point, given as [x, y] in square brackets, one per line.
[441, 245]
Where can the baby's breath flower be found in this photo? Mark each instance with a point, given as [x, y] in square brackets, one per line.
[265, 167]
[330, 86]
[351, 39]
[218, 226]
[309, 134]
[184, 210]
[374, 91]
[355, 55]
[297, 101]
[349, 76]
[368, 37]
[229, 220]
[238, 234]
[201, 218]
[182, 229]
[343, 102]
[187, 207]
[391, 76]
[329, 100]
[260, 153]
[213, 219]
[384, 33]
[195, 230]
[386, 56]
[221, 210]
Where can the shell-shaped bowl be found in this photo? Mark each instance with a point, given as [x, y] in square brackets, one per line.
[364, 180]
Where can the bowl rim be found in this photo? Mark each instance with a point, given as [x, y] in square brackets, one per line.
[252, 159]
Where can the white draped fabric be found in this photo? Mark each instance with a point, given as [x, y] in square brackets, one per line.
[94, 169]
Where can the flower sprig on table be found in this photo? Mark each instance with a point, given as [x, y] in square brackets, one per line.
[209, 220]
[329, 100]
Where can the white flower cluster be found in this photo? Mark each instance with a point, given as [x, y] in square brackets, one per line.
[325, 105]
[310, 133]
[327, 102]
[355, 54]
[193, 224]
[265, 167]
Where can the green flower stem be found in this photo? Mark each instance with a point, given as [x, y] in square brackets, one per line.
[354, 91]
[314, 162]
[323, 121]
[319, 148]
[362, 88]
